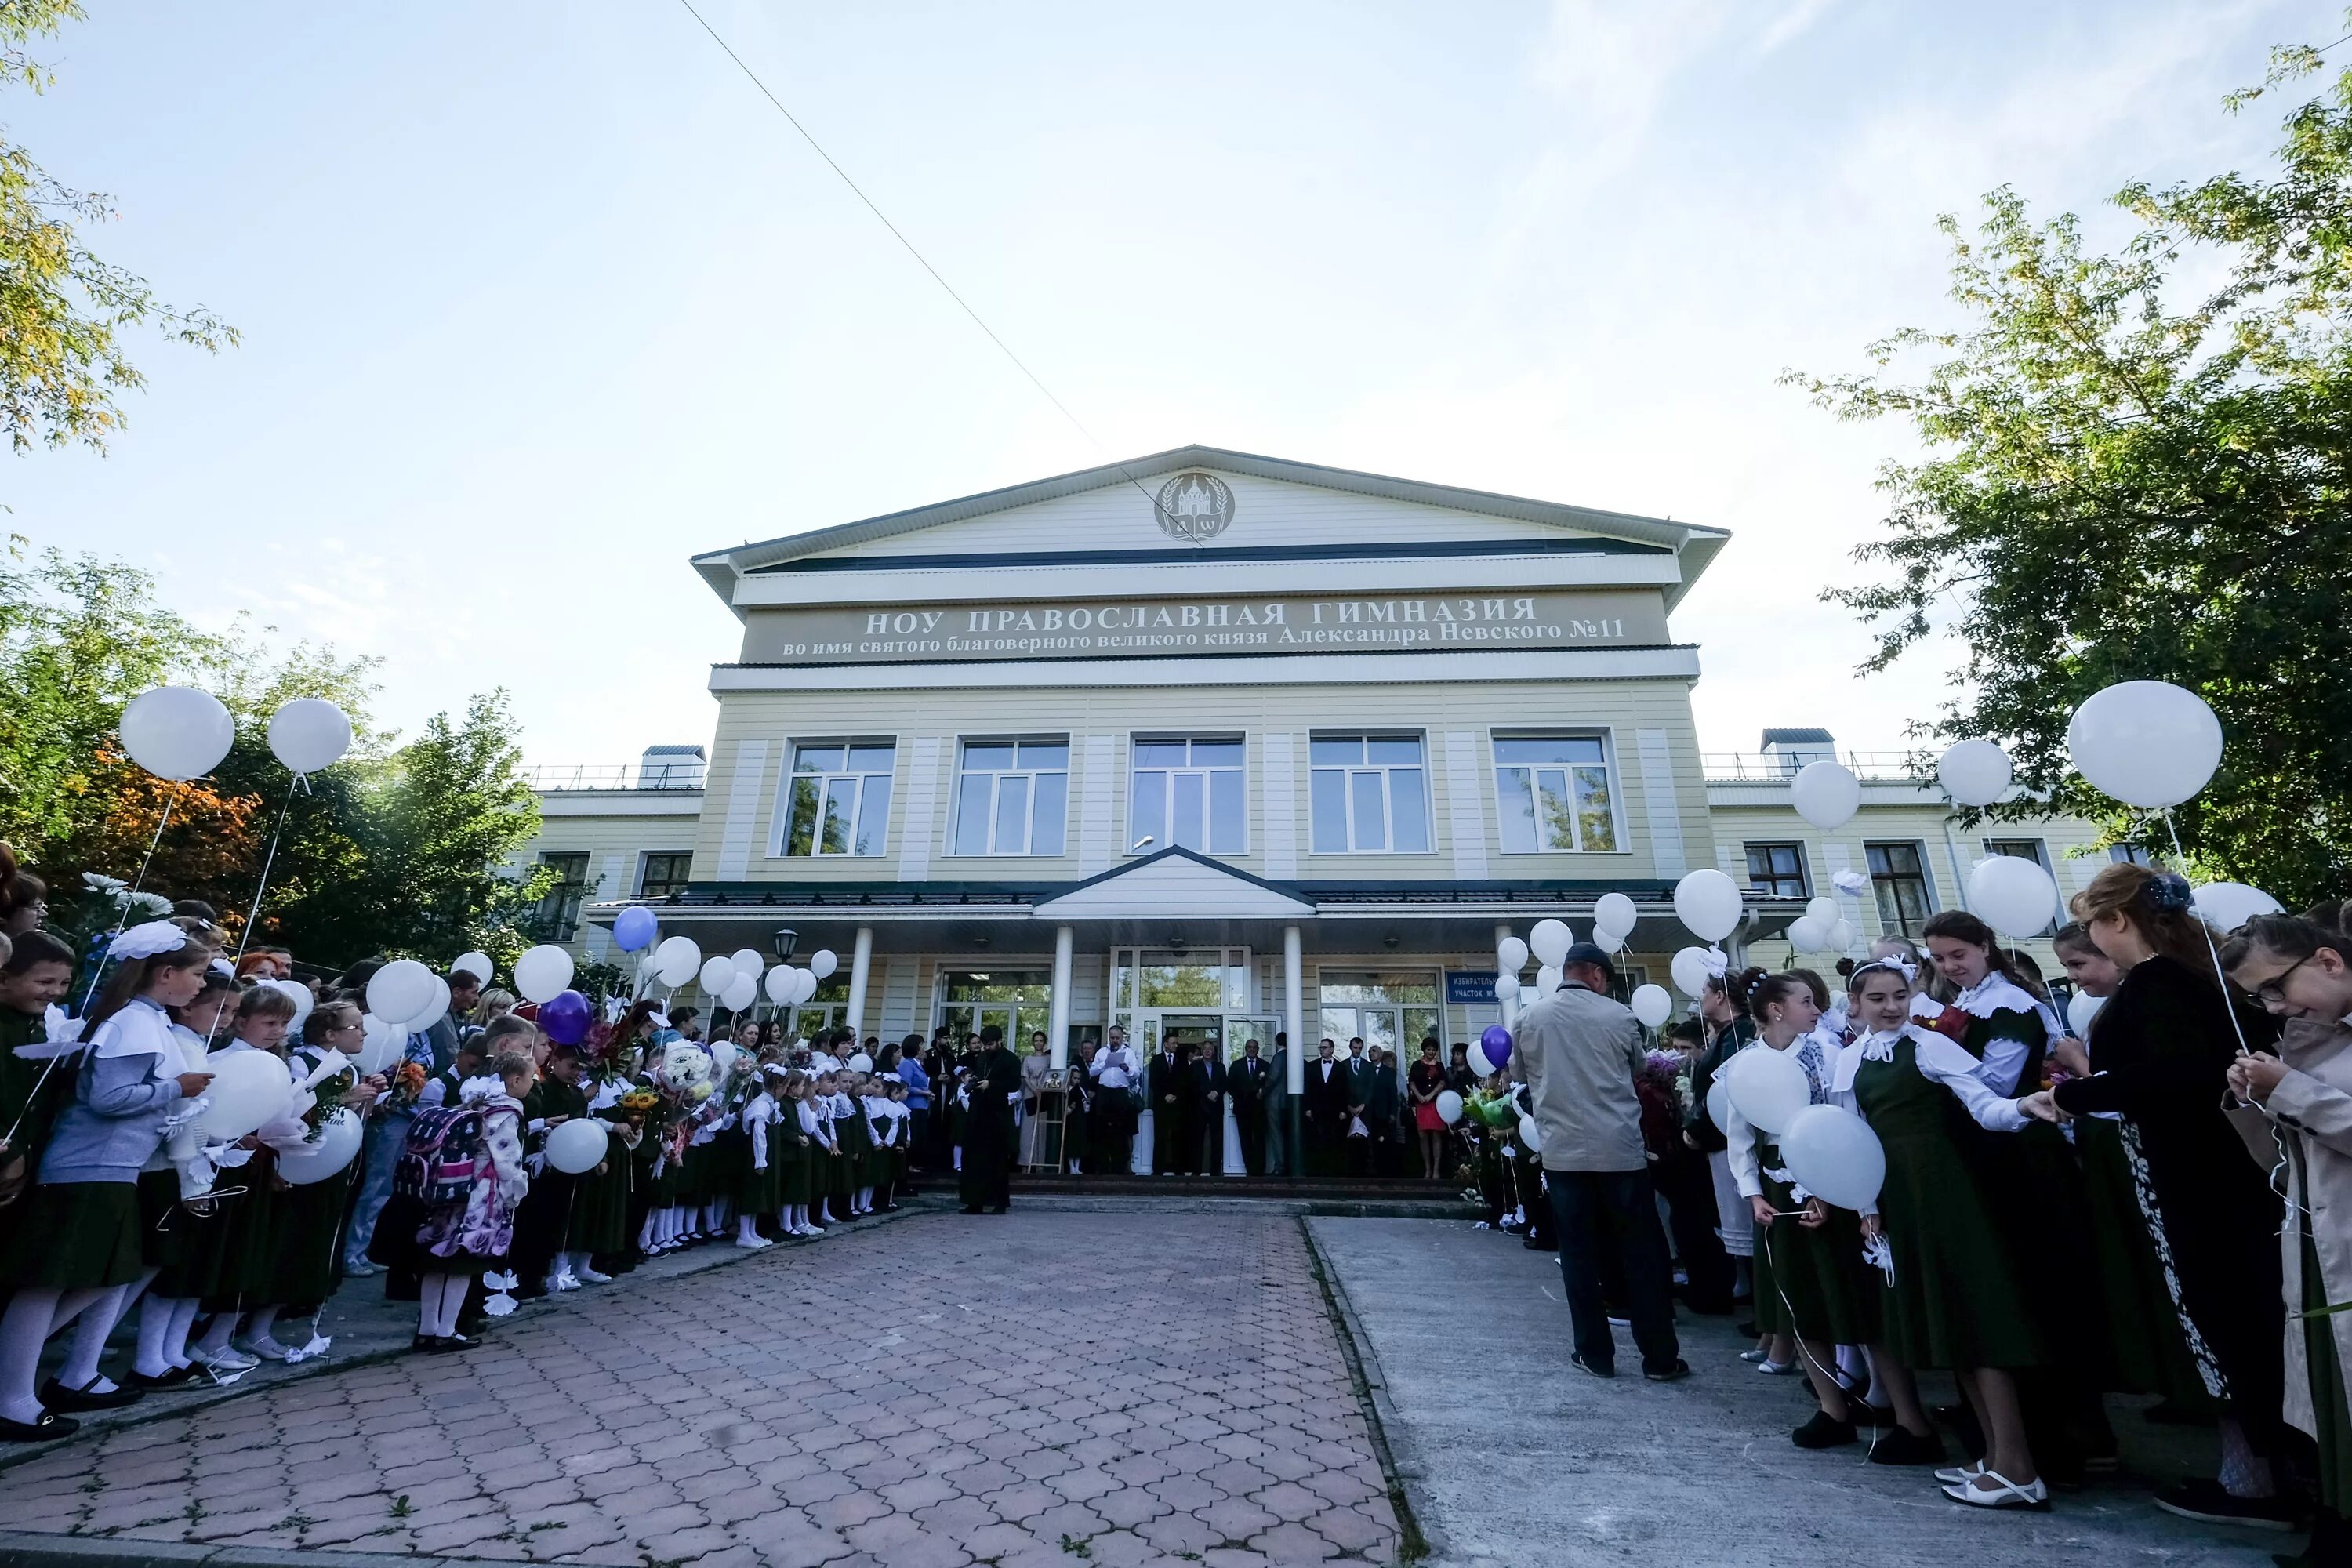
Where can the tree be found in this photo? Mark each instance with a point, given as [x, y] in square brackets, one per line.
[64, 312]
[2120, 486]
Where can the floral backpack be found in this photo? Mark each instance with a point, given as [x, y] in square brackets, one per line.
[448, 1148]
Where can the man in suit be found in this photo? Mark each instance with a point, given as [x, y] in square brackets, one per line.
[1246, 1086]
[1357, 1152]
[1163, 1082]
[1326, 1112]
[1381, 1105]
[1204, 1084]
[1281, 1158]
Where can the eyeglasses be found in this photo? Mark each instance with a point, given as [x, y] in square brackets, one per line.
[2272, 990]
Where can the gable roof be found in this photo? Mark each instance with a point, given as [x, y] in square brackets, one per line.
[1178, 882]
[1694, 544]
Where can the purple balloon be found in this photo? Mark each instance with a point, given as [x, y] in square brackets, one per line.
[563, 1017]
[1497, 1043]
[633, 928]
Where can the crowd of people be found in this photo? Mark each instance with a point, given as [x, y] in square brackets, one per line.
[2139, 1208]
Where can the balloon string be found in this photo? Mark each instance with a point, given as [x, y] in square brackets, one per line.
[2228, 1004]
[253, 913]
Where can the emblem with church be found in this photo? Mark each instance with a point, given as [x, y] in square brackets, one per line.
[1194, 506]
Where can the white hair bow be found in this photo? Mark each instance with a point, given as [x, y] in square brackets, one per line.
[147, 940]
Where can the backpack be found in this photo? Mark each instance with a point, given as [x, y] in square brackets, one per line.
[448, 1148]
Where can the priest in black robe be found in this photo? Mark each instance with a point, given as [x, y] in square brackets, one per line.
[985, 1180]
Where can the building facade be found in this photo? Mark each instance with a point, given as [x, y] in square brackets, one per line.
[1213, 747]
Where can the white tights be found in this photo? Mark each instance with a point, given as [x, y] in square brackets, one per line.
[164, 1325]
[24, 1328]
[439, 1298]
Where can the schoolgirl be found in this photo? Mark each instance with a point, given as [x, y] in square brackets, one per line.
[797, 1137]
[37, 1073]
[1953, 1298]
[599, 1237]
[856, 1136]
[827, 1177]
[542, 1224]
[310, 1217]
[760, 1184]
[239, 1275]
[471, 1233]
[78, 1244]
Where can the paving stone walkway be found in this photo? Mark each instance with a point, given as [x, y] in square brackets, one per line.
[1040, 1388]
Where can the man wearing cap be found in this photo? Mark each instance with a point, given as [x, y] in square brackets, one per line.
[1577, 1051]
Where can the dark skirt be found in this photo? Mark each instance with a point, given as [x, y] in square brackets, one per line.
[177, 1241]
[600, 1214]
[242, 1264]
[1812, 1283]
[76, 1235]
[2147, 1351]
[309, 1243]
[797, 1161]
[394, 1245]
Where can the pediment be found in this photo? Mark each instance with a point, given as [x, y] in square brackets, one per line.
[1177, 883]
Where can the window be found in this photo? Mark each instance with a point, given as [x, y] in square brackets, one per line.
[1191, 793]
[559, 910]
[1009, 796]
[1551, 793]
[1900, 881]
[1370, 794]
[838, 798]
[664, 873]
[2023, 849]
[1778, 871]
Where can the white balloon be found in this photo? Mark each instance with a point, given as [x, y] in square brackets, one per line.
[577, 1147]
[247, 1089]
[1825, 794]
[2013, 895]
[2226, 906]
[2081, 1008]
[1708, 903]
[1833, 1153]
[336, 1146]
[1478, 1062]
[400, 990]
[804, 985]
[1692, 968]
[676, 961]
[1530, 1135]
[1548, 980]
[1652, 1005]
[1975, 773]
[1507, 988]
[436, 1008]
[476, 964]
[1550, 940]
[299, 994]
[2146, 743]
[1718, 1104]
[740, 993]
[778, 985]
[1768, 1087]
[716, 974]
[1808, 935]
[748, 960]
[1615, 911]
[1511, 955]
[309, 734]
[176, 731]
[821, 963]
[1822, 910]
[722, 1057]
[1449, 1106]
[380, 1046]
[1608, 941]
[543, 971]
[1843, 935]
[861, 1063]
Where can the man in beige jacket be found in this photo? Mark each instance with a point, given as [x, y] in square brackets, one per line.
[1577, 1051]
[2302, 972]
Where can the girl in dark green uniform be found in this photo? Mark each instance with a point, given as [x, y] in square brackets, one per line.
[1953, 1298]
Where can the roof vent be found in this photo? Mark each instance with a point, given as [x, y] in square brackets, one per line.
[1792, 749]
[671, 767]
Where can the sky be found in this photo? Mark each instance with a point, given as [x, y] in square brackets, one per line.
[540, 300]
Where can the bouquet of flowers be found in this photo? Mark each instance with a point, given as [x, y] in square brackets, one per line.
[408, 1080]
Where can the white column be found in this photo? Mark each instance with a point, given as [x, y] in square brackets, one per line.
[1294, 1010]
[1511, 1007]
[861, 966]
[1057, 1026]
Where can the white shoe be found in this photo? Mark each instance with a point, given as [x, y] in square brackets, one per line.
[223, 1359]
[1960, 1473]
[750, 1243]
[1771, 1368]
[266, 1349]
[590, 1277]
[2004, 1494]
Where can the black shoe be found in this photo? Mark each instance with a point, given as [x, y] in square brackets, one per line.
[55, 1396]
[175, 1378]
[2203, 1500]
[48, 1428]
[1896, 1446]
[1001, 1208]
[447, 1343]
[1580, 1364]
[1865, 1415]
[1675, 1374]
[1823, 1431]
[968, 1208]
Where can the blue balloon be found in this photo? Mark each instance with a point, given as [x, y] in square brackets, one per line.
[635, 928]
[1497, 1043]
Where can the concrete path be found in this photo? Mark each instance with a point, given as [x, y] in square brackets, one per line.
[1510, 1455]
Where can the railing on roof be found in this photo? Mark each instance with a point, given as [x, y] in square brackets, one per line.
[1777, 767]
[684, 774]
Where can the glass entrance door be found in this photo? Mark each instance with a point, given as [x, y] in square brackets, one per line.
[1019, 1002]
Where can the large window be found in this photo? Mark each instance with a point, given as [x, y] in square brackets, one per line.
[1011, 796]
[839, 798]
[1191, 793]
[1552, 793]
[664, 873]
[1370, 794]
[559, 908]
[1900, 881]
[1778, 871]
[1393, 1010]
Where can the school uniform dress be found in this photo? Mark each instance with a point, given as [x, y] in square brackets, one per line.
[181, 1222]
[304, 1262]
[800, 1156]
[600, 1205]
[544, 1221]
[35, 1088]
[239, 1267]
[1812, 1282]
[1735, 1223]
[1957, 1300]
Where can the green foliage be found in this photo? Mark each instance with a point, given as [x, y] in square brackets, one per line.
[63, 312]
[2120, 485]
